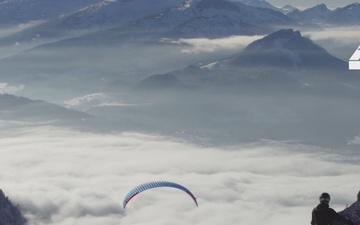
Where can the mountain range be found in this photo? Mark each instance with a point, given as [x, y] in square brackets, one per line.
[282, 56]
[114, 23]
[321, 14]
[292, 84]
[348, 15]
[105, 13]
[141, 52]
[174, 18]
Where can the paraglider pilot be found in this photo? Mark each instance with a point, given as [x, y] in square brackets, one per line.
[322, 214]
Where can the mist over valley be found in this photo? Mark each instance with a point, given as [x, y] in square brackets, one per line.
[251, 105]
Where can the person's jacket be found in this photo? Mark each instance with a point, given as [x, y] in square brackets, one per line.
[324, 215]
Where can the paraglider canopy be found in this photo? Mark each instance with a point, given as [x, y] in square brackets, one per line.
[155, 184]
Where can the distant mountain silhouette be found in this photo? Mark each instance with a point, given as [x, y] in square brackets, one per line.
[319, 13]
[114, 20]
[24, 109]
[345, 16]
[283, 59]
[287, 50]
[160, 82]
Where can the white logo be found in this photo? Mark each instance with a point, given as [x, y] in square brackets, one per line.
[354, 61]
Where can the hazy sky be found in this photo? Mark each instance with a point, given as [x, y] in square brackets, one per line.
[65, 177]
[310, 3]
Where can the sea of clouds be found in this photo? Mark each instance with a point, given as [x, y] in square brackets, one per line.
[66, 177]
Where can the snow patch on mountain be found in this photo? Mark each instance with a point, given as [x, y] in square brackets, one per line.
[185, 5]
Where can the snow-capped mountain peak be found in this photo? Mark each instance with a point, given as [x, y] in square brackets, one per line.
[214, 18]
[110, 13]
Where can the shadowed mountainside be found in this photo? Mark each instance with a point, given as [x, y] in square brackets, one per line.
[9, 213]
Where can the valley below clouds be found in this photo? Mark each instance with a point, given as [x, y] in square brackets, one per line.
[253, 111]
[62, 176]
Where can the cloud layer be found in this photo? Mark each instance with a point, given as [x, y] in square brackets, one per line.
[338, 41]
[67, 177]
[199, 45]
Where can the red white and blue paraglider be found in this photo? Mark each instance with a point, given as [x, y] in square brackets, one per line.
[143, 187]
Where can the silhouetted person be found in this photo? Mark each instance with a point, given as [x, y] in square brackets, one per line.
[322, 214]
